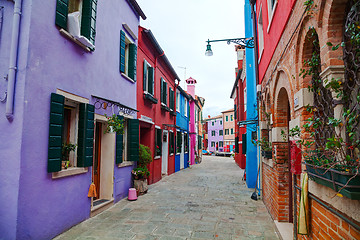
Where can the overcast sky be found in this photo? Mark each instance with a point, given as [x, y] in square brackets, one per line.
[182, 27]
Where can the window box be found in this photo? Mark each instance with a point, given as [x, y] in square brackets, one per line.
[336, 180]
[166, 108]
[267, 154]
[150, 97]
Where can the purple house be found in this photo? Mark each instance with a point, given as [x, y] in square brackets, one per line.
[215, 134]
[66, 64]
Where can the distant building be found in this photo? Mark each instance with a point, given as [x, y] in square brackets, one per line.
[229, 130]
[215, 134]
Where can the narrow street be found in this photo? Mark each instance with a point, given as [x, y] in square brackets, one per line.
[207, 201]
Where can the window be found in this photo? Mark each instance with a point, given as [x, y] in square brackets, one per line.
[186, 108]
[212, 133]
[127, 144]
[226, 118]
[231, 131]
[128, 52]
[158, 142]
[199, 142]
[177, 101]
[212, 144]
[186, 142]
[163, 91]
[245, 99]
[260, 33]
[178, 142]
[72, 122]
[78, 18]
[220, 122]
[231, 118]
[148, 78]
[212, 123]
[226, 131]
[221, 144]
[172, 145]
[220, 132]
[271, 8]
[235, 111]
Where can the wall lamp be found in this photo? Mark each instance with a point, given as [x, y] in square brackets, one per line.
[246, 42]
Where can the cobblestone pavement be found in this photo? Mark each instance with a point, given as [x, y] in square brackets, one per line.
[208, 201]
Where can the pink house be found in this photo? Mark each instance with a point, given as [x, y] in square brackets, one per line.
[192, 125]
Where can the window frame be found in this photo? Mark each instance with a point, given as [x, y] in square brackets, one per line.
[185, 109]
[158, 144]
[271, 12]
[146, 78]
[221, 132]
[177, 101]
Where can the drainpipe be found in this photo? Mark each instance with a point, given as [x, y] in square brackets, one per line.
[13, 60]
[1, 17]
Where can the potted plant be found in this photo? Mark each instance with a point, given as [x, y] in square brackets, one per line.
[141, 172]
[266, 147]
[65, 152]
[114, 124]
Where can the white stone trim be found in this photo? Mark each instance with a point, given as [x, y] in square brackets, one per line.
[276, 134]
[71, 96]
[69, 172]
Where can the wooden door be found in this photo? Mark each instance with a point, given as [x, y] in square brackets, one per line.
[97, 158]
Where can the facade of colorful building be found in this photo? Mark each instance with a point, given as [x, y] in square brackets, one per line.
[290, 37]
[182, 129]
[239, 96]
[198, 119]
[193, 131]
[57, 96]
[215, 134]
[229, 130]
[156, 104]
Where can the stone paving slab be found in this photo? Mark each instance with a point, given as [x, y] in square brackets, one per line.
[207, 201]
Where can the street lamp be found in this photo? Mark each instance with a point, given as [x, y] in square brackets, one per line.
[246, 42]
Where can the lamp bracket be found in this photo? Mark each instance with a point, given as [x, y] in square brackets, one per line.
[246, 42]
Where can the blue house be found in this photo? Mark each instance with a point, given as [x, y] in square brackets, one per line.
[251, 106]
[182, 129]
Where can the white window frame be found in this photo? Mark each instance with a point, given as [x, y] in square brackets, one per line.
[185, 107]
[260, 33]
[147, 79]
[271, 11]
[128, 41]
[177, 101]
[245, 99]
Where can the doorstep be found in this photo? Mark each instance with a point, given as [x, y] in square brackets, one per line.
[101, 207]
[285, 229]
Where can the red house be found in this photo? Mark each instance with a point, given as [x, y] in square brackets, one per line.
[238, 93]
[155, 102]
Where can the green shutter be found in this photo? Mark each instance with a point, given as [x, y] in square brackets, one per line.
[145, 75]
[55, 132]
[88, 20]
[235, 111]
[132, 61]
[61, 13]
[244, 143]
[85, 135]
[162, 90]
[119, 145]
[237, 144]
[151, 81]
[158, 140]
[133, 140]
[171, 98]
[165, 92]
[122, 51]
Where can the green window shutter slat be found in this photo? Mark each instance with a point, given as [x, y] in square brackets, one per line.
[56, 123]
[244, 143]
[88, 20]
[119, 145]
[132, 61]
[165, 92]
[85, 135]
[151, 80]
[171, 98]
[133, 140]
[61, 13]
[122, 51]
[145, 75]
[235, 111]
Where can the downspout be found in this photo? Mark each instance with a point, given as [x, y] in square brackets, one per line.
[1, 18]
[13, 60]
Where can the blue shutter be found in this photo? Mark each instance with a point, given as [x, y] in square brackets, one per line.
[122, 51]
[85, 135]
[61, 13]
[55, 132]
